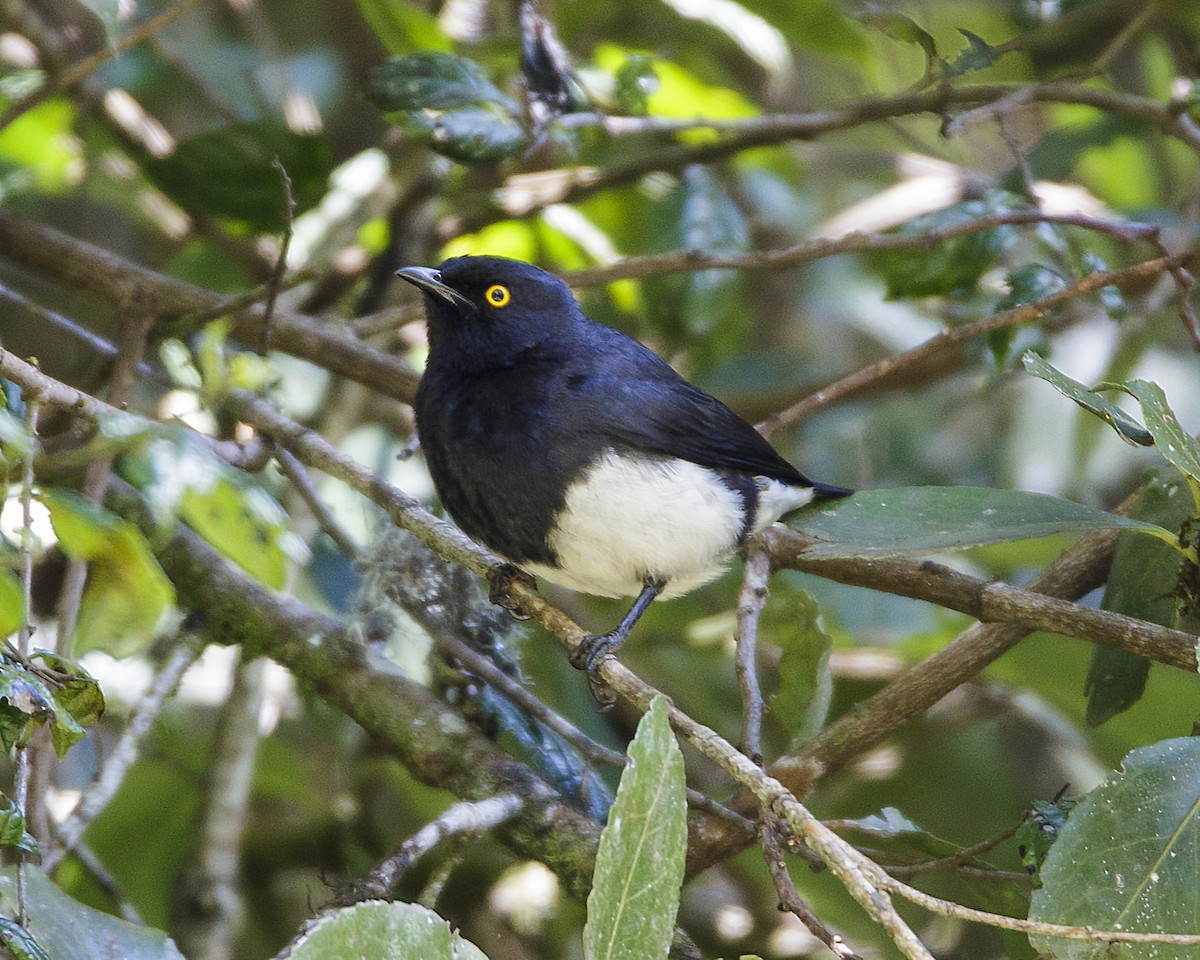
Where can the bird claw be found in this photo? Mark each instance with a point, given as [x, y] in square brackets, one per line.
[500, 582]
[591, 652]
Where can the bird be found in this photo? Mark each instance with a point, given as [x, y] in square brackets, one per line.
[575, 453]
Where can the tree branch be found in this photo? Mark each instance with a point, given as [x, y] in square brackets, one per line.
[82, 266]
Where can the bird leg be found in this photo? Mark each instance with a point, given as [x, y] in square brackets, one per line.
[500, 581]
[592, 650]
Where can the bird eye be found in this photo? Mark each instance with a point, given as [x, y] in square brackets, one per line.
[497, 295]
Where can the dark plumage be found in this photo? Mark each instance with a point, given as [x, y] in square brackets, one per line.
[574, 452]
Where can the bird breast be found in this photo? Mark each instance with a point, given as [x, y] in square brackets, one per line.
[631, 516]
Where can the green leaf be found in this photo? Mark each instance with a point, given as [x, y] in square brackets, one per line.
[181, 478]
[639, 866]
[402, 27]
[12, 829]
[1127, 428]
[1180, 448]
[905, 29]
[1141, 583]
[109, 13]
[229, 172]
[12, 605]
[432, 80]
[952, 266]
[68, 930]
[698, 214]
[634, 83]
[902, 838]
[476, 133]
[913, 520]
[79, 693]
[31, 702]
[20, 942]
[246, 525]
[451, 102]
[805, 682]
[126, 593]
[376, 929]
[1126, 858]
[978, 55]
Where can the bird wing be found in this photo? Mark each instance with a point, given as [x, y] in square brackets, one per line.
[650, 407]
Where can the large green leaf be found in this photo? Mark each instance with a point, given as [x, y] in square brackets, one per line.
[914, 520]
[639, 866]
[181, 478]
[1141, 583]
[389, 931]
[450, 101]
[1179, 447]
[432, 80]
[229, 172]
[805, 683]
[954, 265]
[699, 306]
[68, 930]
[126, 592]
[1126, 858]
[1127, 428]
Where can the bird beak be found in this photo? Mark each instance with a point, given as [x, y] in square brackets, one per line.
[430, 281]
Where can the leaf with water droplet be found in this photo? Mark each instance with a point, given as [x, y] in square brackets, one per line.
[1180, 448]
[1125, 859]
[1127, 428]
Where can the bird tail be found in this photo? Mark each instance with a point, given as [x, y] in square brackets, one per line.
[827, 491]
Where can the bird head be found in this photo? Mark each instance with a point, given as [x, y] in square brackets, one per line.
[491, 304]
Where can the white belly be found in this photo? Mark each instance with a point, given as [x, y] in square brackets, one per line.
[628, 519]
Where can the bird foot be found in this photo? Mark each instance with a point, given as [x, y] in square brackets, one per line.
[591, 652]
[500, 583]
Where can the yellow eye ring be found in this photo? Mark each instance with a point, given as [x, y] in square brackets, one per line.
[497, 295]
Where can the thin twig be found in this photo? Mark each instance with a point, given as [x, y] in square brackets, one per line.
[891, 368]
[789, 896]
[22, 774]
[276, 278]
[77, 264]
[1124, 37]
[807, 251]
[461, 819]
[991, 601]
[512, 688]
[129, 360]
[216, 903]
[738, 135]
[751, 599]
[959, 859]
[296, 472]
[1084, 934]
[80, 71]
[126, 750]
[100, 873]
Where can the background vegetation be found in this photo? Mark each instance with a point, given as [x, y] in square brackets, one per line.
[850, 221]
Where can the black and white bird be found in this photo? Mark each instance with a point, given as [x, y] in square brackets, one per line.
[577, 454]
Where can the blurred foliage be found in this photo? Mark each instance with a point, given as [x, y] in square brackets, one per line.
[406, 135]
